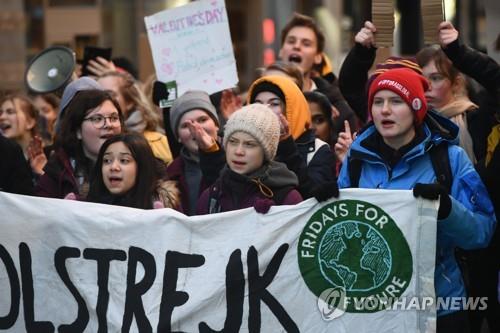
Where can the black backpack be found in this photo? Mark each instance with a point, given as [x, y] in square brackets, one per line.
[440, 163]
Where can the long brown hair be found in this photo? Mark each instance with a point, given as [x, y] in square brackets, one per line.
[444, 66]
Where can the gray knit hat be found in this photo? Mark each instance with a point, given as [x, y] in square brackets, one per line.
[83, 83]
[259, 121]
[190, 100]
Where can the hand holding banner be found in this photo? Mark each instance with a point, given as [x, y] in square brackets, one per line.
[356, 264]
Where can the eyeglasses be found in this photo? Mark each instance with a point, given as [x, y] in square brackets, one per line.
[100, 121]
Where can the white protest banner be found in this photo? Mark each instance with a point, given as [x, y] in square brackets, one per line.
[348, 265]
[191, 45]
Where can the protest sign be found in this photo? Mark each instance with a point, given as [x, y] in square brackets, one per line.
[81, 267]
[432, 15]
[383, 19]
[191, 45]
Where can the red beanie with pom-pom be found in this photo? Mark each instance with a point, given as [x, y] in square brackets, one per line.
[407, 84]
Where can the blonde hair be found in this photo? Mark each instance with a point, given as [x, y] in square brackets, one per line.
[132, 93]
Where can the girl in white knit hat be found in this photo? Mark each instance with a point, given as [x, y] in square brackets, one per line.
[251, 178]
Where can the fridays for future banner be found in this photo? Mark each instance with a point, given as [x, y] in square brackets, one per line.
[72, 266]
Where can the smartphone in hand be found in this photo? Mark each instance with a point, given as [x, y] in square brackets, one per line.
[92, 52]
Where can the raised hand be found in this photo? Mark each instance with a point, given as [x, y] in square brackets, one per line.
[447, 34]
[229, 103]
[99, 66]
[36, 155]
[204, 140]
[344, 142]
[366, 36]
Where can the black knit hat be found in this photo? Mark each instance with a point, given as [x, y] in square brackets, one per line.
[267, 86]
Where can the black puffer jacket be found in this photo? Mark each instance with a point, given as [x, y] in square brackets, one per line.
[354, 76]
[15, 173]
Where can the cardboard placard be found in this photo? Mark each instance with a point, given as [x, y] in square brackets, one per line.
[383, 19]
[432, 16]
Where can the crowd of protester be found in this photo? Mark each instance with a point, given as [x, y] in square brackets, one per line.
[301, 132]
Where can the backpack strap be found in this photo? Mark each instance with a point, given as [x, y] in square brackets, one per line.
[441, 165]
[354, 171]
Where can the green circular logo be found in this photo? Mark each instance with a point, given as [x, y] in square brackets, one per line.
[356, 246]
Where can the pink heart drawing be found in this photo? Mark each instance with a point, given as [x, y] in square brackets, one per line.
[214, 3]
[205, 81]
[166, 51]
[219, 81]
[167, 68]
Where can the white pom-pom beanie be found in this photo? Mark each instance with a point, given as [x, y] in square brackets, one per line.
[260, 122]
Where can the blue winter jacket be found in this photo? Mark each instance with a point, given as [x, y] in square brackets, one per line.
[471, 221]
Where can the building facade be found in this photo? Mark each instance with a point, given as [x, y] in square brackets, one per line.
[29, 26]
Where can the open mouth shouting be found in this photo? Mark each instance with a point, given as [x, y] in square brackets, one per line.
[119, 184]
[387, 123]
[115, 181]
[295, 58]
[4, 127]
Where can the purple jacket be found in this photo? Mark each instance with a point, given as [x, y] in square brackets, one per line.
[58, 179]
[274, 185]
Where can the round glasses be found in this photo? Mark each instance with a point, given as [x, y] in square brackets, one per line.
[99, 121]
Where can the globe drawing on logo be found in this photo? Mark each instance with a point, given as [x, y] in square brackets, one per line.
[356, 246]
[365, 266]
